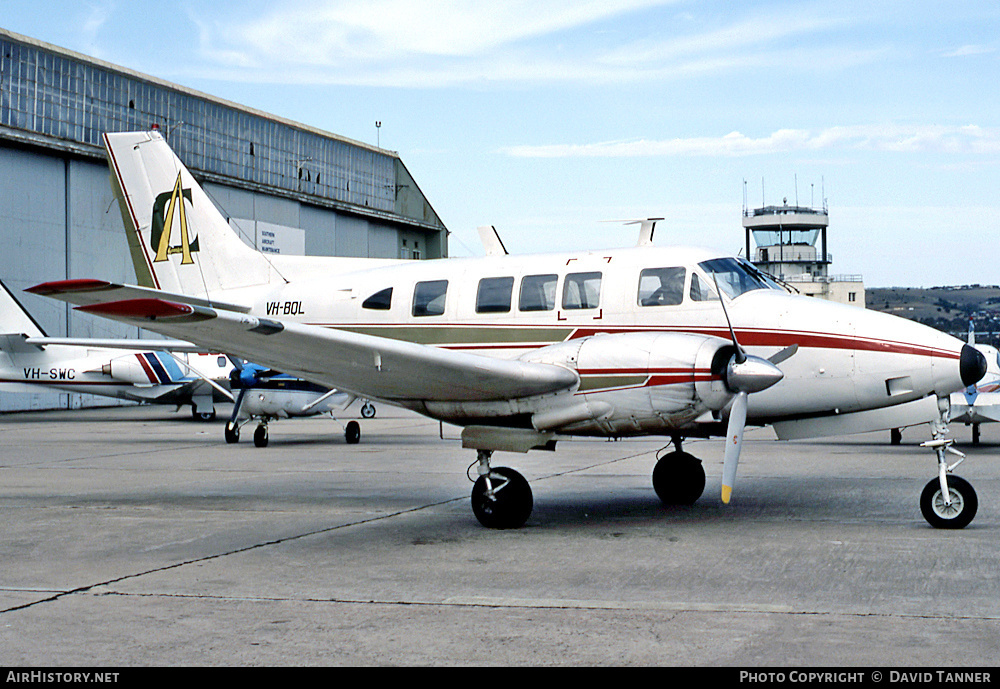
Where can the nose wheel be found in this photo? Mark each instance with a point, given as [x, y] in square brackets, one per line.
[954, 510]
[947, 502]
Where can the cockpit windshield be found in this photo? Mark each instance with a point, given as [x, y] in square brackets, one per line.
[737, 276]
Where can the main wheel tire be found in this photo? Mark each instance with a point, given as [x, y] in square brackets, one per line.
[260, 436]
[352, 433]
[511, 502]
[679, 479]
[232, 433]
[959, 513]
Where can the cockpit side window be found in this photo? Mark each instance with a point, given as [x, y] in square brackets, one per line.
[429, 298]
[736, 277]
[380, 301]
[701, 290]
[582, 291]
[661, 286]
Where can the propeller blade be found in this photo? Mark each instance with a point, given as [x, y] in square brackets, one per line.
[734, 441]
[740, 354]
[783, 355]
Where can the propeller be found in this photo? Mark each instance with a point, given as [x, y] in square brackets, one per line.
[744, 374]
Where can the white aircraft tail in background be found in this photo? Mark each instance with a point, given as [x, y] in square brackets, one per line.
[136, 370]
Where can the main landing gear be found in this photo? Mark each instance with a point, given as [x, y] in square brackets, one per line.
[678, 477]
[501, 497]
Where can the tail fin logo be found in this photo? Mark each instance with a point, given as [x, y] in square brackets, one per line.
[167, 205]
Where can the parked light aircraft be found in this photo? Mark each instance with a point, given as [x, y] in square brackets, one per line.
[136, 370]
[267, 395]
[523, 350]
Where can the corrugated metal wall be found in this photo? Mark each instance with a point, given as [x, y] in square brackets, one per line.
[58, 218]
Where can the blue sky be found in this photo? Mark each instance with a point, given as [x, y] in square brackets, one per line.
[550, 119]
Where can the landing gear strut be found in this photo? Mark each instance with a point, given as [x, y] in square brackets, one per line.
[678, 477]
[947, 502]
[501, 497]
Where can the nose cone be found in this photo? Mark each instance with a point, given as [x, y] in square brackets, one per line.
[971, 365]
[752, 375]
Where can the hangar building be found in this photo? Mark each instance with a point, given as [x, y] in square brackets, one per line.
[285, 186]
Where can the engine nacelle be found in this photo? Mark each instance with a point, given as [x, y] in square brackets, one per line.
[636, 383]
[136, 369]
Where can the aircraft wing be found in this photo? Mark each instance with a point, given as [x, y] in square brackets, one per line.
[365, 365]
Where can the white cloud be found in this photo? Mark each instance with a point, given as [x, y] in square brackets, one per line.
[333, 33]
[406, 43]
[969, 139]
[967, 50]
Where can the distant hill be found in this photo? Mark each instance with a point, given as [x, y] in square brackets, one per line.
[945, 308]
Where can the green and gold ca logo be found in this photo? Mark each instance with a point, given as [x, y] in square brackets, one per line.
[166, 207]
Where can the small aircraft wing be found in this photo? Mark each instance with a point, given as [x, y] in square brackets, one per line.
[365, 365]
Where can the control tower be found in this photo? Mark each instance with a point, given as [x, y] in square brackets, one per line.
[792, 246]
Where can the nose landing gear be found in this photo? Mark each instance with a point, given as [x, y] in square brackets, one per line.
[947, 502]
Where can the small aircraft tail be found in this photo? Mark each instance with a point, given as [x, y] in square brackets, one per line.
[14, 320]
[178, 239]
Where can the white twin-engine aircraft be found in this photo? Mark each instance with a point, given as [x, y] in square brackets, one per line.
[521, 350]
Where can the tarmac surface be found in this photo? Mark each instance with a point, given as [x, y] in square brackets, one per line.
[138, 537]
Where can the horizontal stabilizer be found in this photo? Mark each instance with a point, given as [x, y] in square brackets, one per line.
[365, 365]
[86, 292]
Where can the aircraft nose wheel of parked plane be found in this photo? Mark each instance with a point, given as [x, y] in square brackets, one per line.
[501, 497]
[957, 511]
[948, 501]
[678, 478]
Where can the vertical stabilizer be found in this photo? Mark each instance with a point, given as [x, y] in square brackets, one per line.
[178, 239]
[14, 320]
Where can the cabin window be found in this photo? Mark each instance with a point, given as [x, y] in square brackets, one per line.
[380, 301]
[494, 295]
[661, 286]
[538, 293]
[701, 290]
[428, 298]
[582, 291]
